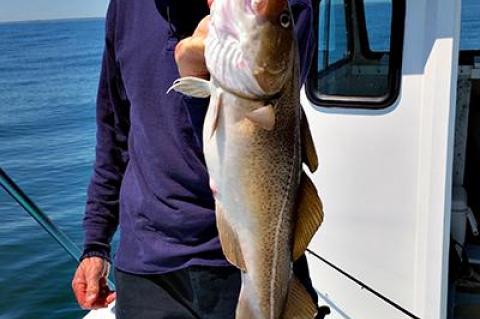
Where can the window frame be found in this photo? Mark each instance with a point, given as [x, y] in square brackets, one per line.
[394, 66]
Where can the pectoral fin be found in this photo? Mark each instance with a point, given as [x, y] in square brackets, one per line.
[263, 117]
[308, 147]
[229, 240]
[191, 86]
[299, 303]
[309, 216]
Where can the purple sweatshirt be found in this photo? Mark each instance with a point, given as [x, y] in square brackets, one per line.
[150, 176]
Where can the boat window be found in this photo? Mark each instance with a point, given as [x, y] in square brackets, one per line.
[333, 46]
[358, 61]
[469, 39]
[378, 16]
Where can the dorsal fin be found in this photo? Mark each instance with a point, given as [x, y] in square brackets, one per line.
[309, 154]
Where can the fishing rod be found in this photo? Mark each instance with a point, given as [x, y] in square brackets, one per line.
[40, 217]
[364, 286]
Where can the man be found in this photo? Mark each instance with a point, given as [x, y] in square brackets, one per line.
[150, 177]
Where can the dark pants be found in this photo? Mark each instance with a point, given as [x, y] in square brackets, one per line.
[194, 292]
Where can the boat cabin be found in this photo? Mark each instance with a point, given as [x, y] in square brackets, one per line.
[393, 101]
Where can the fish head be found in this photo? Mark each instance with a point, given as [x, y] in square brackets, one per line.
[250, 46]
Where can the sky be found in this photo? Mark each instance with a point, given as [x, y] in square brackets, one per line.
[21, 10]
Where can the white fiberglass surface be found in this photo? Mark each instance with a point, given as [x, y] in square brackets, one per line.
[106, 313]
[384, 177]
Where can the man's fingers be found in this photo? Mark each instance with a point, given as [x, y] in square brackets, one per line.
[81, 294]
[106, 294]
[189, 55]
[105, 297]
[190, 49]
[80, 291]
[93, 288]
[202, 28]
[90, 284]
[112, 295]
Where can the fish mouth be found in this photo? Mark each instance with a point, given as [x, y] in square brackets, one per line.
[270, 71]
[249, 96]
[270, 80]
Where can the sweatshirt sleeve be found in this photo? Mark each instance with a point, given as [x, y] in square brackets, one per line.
[102, 208]
[303, 16]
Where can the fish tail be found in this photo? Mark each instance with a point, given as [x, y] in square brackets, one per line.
[299, 303]
[255, 300]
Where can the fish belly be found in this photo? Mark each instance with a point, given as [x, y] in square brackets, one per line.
[256, 176]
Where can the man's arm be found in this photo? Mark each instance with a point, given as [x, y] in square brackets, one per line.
[302, 14]
[101, 215]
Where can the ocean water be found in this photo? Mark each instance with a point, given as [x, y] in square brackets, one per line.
[48, 80]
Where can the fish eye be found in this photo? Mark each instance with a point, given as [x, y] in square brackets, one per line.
[285, 19]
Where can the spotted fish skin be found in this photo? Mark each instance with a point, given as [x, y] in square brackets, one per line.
[257, 174]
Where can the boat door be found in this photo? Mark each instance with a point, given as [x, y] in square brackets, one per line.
[380, 100]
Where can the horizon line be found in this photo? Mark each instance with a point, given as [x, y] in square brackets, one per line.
[51, 19]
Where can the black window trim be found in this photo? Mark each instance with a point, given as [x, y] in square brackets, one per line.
[395, 64]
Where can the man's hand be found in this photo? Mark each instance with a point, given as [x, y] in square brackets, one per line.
[90, 284]
[189, 53]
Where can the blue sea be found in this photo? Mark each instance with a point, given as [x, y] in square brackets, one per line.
[48, 79]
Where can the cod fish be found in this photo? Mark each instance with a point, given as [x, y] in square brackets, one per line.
[256, 138]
